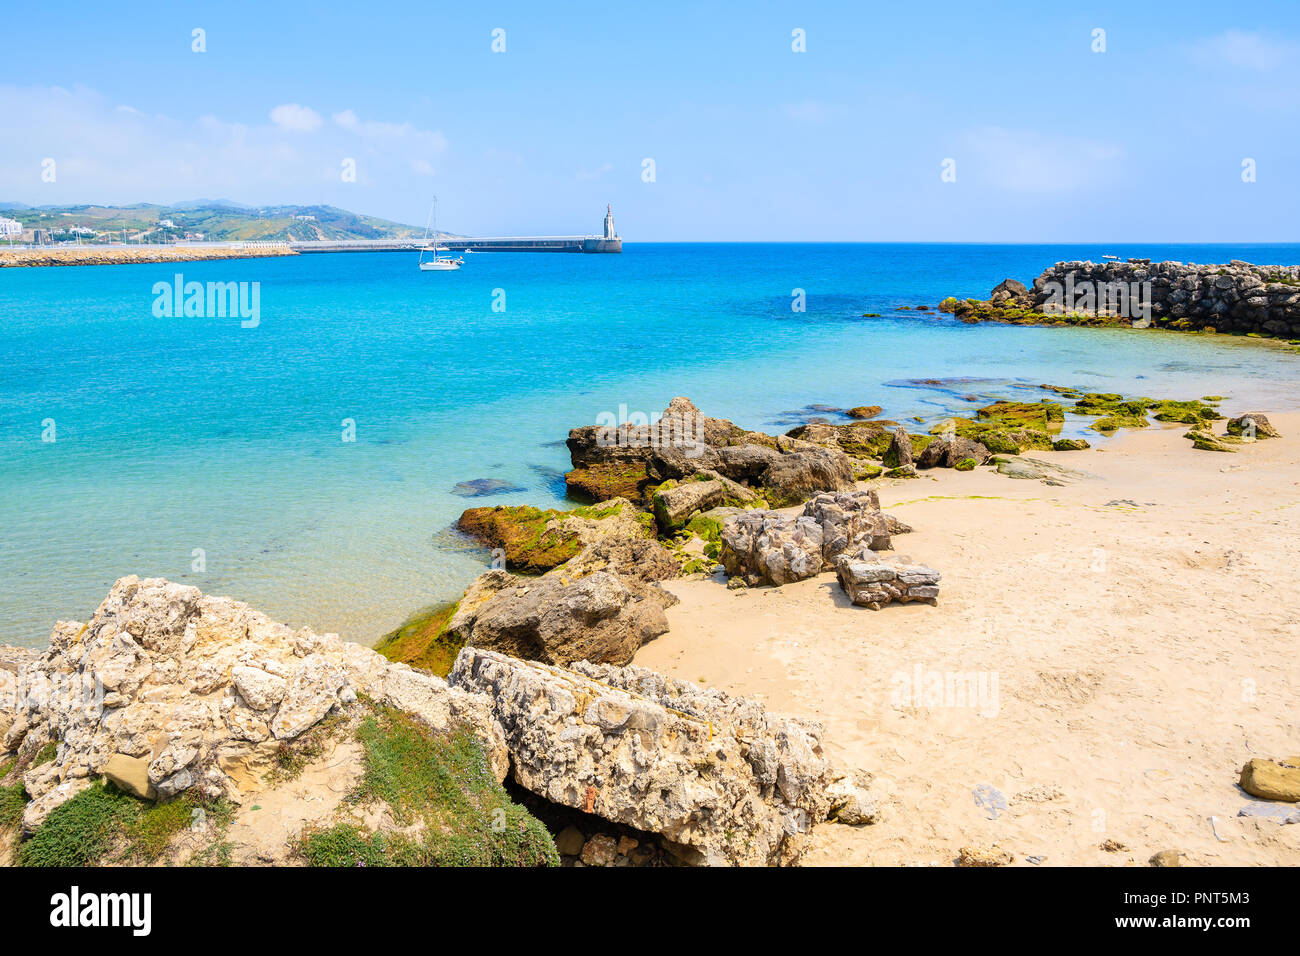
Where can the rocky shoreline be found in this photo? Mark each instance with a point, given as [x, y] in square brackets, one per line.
[168, 697]
[126, 255]
[1237, 298]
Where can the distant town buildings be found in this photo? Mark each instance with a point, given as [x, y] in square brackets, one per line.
[10, 228]
[166, 224]
[305, 218]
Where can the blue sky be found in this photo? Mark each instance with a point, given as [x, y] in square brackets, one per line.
[750, 140]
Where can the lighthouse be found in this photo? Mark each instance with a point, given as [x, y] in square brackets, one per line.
[609, 222]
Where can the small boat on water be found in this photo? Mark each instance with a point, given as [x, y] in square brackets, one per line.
[437, 263]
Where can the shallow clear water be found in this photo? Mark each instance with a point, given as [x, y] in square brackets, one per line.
[184, 433]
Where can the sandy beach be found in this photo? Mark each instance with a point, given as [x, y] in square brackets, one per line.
[1135, 632]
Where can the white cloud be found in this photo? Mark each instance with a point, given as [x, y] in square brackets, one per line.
[110, 152]
[1244, 50]
[297, 118]
[1026, 161]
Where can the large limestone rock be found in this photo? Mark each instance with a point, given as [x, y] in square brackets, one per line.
[951, 452]
[166, 689]
[717, 776]
[561, 617]
[873, 580]
[768, 547]
[685, 442]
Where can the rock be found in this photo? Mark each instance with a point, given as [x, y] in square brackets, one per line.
[481, 487]
[600, 850]
[677, 502]
[569, 841]
[1070, 444]
[1261, 300]
[851, 804]
[36, 811]
[1205, 440]
[1166, 858]
[1113, 846]
[767, 547]
[310, 695]
[130, 774]
[984, 855]
[719, 778]
[1035, 469]
[558, 620]
[864, 411]
[899, 453]
[1272, 780]
[259, 689]
[685, 442]
[873, 580]
[200, 691]
[952, 453]
[1252, 424]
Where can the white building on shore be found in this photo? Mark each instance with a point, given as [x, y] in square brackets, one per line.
[10, 228]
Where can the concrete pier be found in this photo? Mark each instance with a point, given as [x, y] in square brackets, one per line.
[452, 244]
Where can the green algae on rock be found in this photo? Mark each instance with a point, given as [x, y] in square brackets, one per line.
[422, 640]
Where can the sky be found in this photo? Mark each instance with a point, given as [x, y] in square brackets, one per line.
[1044, 137]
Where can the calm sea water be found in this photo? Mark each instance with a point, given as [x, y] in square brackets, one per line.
[194, 433]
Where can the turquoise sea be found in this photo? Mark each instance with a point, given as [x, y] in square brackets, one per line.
[177, 434]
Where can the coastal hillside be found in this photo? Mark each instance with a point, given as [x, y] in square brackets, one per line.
[201, 220]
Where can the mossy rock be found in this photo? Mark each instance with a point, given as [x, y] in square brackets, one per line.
[966, 464]
[1208, 441]
[1000, 439]
[1188, 413]
[705, 528]
[1112, 423]
[864, 411]
[522, 532]
[1070, 444]
[422, 640]
[606, 480]
[1042, 415]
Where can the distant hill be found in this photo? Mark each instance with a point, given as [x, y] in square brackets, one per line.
[214, 219]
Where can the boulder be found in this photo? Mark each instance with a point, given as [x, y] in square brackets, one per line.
[130, 774]
[1252, 423]
[675, 503]
[557, 619]
[166, 689]
[768, 547]
[685, 442]
[719, 778]
[951, 452]
[1272, 780]
[899, 453]
[864, 411]
[873, 580]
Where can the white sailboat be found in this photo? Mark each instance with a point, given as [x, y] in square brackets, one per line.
[437, 263]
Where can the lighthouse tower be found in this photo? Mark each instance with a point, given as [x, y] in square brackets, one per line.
[609, 222]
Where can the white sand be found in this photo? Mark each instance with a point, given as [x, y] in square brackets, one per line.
[1141, 654]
